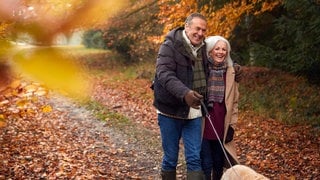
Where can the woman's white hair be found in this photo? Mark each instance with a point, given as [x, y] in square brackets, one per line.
[211, 41]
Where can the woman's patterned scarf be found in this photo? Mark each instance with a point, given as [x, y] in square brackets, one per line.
[216, 84]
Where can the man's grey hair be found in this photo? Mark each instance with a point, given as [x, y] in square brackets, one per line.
[194, 15]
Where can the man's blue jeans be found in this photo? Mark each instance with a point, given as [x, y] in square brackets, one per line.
[172, 130]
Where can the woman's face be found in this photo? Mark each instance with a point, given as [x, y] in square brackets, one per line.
[219, 51]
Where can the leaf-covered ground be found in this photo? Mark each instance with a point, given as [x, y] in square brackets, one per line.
[47, 136]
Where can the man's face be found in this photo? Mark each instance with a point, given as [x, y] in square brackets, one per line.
[196, 30]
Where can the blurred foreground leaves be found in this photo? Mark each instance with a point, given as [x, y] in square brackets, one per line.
[56, 70]
[39, 23]
[43, 20]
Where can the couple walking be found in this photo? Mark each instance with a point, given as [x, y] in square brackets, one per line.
[192, 69]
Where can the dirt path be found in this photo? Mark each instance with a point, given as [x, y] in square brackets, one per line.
[70, 143]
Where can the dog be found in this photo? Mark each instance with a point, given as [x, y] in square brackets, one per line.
[242, 172]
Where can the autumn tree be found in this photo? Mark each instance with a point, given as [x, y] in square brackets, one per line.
[134, 32]
[222, 16]
[271, 33]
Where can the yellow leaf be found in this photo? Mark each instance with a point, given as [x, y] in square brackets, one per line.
[2, 121]
[15, 84]
[46, 109]
[21, 103]
[2, 124]
[53, 69]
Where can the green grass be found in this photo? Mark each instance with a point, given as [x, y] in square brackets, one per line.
[280, 96]
[104, 114]
[133, 131]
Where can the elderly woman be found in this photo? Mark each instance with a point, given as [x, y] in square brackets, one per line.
[223, 95]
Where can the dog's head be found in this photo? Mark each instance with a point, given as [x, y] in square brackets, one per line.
[239, 172]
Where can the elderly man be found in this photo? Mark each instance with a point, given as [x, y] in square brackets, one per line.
[179, 87]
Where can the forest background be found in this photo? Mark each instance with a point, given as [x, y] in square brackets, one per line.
[275, 34]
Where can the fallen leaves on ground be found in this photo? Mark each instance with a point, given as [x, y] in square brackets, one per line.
[50, 137]
[277, 150]
[61, 140]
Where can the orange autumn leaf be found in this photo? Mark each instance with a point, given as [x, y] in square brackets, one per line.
[46, 109]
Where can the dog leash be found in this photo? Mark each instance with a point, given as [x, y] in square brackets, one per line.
[214, 129]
